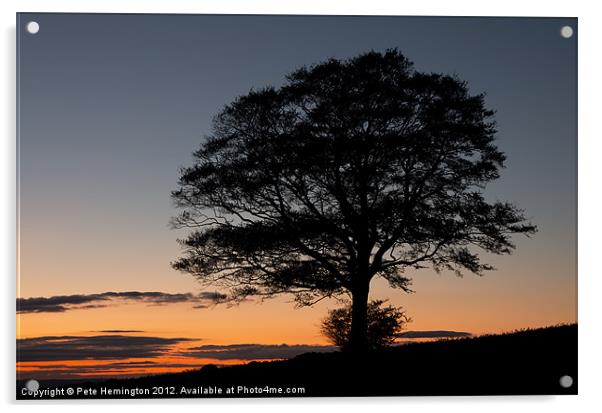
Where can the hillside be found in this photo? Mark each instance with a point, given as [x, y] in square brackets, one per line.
[519, 363]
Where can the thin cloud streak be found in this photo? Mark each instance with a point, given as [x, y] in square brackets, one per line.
[435, 334]
[254, 351]
[118, 331]
[103, 371]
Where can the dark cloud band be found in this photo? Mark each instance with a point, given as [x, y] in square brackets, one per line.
[62, 303]
[104, 347]
[123, 348]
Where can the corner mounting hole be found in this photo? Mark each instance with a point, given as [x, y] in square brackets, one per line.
[566, 381]
[33, 27]
[32, 385]
[566, 32]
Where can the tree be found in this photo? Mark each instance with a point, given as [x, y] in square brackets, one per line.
[352, 169]
[384, 324]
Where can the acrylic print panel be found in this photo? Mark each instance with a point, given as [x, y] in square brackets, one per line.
[296, 206]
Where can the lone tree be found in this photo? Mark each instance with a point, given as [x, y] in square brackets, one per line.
[385, 323]
[352, 169]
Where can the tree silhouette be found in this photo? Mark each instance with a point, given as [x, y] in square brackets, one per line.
[384, 324]
[352, 169]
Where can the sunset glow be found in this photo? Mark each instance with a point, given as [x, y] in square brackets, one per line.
[97, 296]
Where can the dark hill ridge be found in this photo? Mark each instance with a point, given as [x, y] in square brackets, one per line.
[519, 363]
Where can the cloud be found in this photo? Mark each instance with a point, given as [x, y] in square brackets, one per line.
[101, 371]
[62, 303]
[118, 331]
[126, 355]
[126, 364]
[212, 296]
[103, 347]
[435, 334]
[254, 351]
[119, 364]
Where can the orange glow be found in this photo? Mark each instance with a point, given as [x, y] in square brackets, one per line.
[169, 362]
[517, 295]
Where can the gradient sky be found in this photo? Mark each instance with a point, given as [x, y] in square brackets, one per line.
[110, 106]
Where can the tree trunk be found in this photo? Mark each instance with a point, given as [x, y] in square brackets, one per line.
[358, 340]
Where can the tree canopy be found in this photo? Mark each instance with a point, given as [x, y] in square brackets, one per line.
[351, 169]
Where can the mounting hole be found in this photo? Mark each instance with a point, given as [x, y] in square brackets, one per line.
[32, 27]
[566, 32]
[32, 385]
[566, 381]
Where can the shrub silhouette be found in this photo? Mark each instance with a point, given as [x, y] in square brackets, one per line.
[384, 324]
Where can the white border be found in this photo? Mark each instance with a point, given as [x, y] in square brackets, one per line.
[590, 151]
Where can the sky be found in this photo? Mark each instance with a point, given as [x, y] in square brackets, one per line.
[111, 106]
